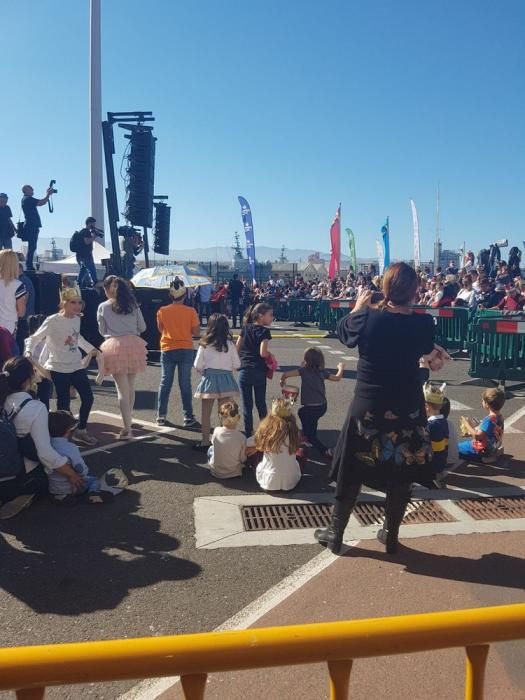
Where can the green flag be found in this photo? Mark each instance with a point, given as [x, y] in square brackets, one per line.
[351, 246]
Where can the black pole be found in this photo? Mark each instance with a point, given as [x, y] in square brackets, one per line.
[146, 245]
[111, 195]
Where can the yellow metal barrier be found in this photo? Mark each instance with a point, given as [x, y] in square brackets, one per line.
[30, 669]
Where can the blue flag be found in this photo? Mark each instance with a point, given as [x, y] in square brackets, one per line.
[246, 214]
[385, 232]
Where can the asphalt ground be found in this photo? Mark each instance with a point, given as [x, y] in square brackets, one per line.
[131, 568]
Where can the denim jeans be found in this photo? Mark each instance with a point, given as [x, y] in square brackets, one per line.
[87, 275]
[309, 416]
[32, 241]
[204, 310]
[252, 381]
[169, 360]
[63, 382]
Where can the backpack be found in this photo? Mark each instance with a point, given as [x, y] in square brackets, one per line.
[11, 460]
[74, 243]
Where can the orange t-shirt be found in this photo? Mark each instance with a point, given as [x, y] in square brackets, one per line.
[176, 321]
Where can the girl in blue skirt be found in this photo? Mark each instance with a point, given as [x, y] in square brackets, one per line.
[216, 360]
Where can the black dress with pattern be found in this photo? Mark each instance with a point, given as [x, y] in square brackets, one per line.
[385, 438]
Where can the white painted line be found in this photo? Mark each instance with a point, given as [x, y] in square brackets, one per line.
[350, 358]
[325, 347]
[457, 406]
[120, 443]
[337, 352]
[514, 418]
[147, 423]
[152, 688]
[314, 342]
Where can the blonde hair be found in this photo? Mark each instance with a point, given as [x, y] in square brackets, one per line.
[494, 398]
[229, 414]
[274, 431]
[8, 266]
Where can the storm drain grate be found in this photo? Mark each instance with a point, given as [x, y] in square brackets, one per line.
[418, 512]
[295, 516]
[494, 508]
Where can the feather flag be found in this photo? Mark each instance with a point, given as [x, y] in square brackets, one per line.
[380, 257]
[246, 214]
[335, 240]
[351, 246]
[385, 233]
[415, 224]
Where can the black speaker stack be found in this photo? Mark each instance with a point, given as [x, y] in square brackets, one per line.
[88, 324]
[141, 174]
[161, 239]
[150, 301]
[47, 291]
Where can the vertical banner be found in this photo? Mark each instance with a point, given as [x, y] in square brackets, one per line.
[380, 257]
[415, 223]
[335, 240]
[246, 214]
[385, 233]
[351, 246]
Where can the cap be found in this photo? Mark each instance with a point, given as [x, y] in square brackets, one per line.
[3, 195]
[177, 289]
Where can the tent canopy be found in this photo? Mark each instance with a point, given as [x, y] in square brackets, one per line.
[69, 265]
[161, 276]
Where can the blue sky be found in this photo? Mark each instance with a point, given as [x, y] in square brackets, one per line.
[296, 105]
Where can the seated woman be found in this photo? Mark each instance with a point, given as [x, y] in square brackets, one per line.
[30, 419]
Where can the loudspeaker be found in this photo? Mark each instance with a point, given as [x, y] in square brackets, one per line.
[150, 301]
[47, 291]
[141, 173]
[161, 239]
[88, 324]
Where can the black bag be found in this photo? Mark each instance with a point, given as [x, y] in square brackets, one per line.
[74, 243]
[21, 231]
[11, 460]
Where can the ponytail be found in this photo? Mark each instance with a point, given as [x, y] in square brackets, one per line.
[255, 312]
[4, 388]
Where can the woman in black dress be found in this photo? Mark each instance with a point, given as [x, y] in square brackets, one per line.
[385, 442]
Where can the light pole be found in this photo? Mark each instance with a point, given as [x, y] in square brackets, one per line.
[95, 115]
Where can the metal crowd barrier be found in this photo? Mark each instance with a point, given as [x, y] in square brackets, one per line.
[498, 349]
[331, 312]
[29, 670]
[303, 311]
[452, 325]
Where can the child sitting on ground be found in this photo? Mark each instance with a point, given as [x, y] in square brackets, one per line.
[313, 395]
[277, 438]
[437, 426]
[62, 425]
[486, 439]
[227, 453]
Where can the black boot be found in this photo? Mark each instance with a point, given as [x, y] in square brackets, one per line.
[332, 536]
[397, 500]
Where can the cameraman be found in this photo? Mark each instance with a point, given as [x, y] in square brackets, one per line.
[32, 220]
[82, 244]
[7, 228]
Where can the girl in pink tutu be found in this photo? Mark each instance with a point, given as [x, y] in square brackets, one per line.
[121, 323]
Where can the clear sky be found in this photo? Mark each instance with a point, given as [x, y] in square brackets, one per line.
[294, 104]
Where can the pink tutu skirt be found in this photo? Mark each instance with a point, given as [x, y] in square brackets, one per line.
[124, 355]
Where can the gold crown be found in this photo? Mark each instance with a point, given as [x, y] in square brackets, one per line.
[70, 293]
[281, 408]
[434, 394]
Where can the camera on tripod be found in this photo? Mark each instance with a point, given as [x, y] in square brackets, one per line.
[52, 183]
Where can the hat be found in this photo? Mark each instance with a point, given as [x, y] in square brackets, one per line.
[70, 293]
[281, 408]
[3, 195]
[177, 289]
[434, 394]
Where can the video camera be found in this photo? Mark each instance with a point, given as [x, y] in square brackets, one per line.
[503, 243]
[51, 186]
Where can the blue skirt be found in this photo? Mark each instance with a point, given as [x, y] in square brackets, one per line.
[217, 384]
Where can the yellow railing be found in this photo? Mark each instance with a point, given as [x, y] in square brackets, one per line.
[30, 669]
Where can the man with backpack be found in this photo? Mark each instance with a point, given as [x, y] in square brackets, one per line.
[82, 244]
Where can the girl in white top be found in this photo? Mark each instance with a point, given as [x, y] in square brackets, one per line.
[227, 453]
[216, 360]
[277, 437]
[13, 294]
[61, 333]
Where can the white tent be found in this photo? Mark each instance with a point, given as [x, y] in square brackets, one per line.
[69, 265]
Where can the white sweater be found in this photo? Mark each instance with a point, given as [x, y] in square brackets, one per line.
[210, 358]
[63, 340]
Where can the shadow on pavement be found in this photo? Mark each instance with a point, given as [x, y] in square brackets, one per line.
[68, 561]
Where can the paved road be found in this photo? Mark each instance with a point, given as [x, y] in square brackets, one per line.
[132, 569]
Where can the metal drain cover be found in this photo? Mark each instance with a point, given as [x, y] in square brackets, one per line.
[494, 508]
[418, 512]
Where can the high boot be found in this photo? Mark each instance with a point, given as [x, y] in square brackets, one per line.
[332, 536]
[397, 500]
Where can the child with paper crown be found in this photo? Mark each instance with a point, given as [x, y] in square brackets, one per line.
[437, 424]
[277, 438]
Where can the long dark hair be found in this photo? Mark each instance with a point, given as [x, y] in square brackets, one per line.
[124, 301]
[16, 372]
[399, 285]
[256, 311]
[217, 333]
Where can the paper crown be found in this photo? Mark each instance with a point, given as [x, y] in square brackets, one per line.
[178, 291]
[70, 293]
[434, 394]
[281, 408]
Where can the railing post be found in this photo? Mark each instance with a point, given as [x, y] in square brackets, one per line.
[475, 671]
[30, 694]
[339, 672]
[194, 685]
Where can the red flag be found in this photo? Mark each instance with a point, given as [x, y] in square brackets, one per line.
[335, 239]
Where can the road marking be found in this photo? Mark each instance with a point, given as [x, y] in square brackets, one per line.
[457, 406]
[325, 347]
[337, 352]
[351, 358]
[314, 342]
[152, 688]
[514, 418]
[159, 430]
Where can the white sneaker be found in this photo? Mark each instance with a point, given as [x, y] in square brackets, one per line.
[12, 508]
[82, 435]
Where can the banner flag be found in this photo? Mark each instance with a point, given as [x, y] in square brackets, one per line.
[246, 214]
[351, 246]
[335, 239]
[380, 257]
[385, 232]
[415, 223]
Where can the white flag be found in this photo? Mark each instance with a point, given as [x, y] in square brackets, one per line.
[380, 257]
[415, 222]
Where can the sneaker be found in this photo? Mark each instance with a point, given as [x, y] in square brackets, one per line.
[82, 435]
[125, 435]
[192, 424]
[97, 497]
[329, 453]
[161, 420]
[12, 508]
